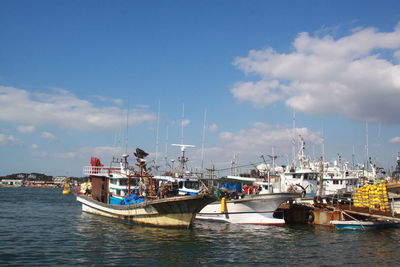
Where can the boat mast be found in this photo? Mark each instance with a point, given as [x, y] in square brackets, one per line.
[203, 140]
[182, 159]
[157, 135]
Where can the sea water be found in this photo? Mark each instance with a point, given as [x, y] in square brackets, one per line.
[42, 227]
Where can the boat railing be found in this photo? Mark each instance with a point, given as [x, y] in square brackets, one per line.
[98, 170]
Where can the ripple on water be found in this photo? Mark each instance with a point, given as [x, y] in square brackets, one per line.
[42, 227]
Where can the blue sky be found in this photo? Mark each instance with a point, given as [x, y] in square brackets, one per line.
[71, 71]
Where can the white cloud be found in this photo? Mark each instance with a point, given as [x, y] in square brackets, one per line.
[7, 140]
[67, 155]
[250, 144]
[117, 101]
[47, 135]
[213, 127]
[262, 137]
[395, 139]
[25, 128]
[64, 110]
[346, 76]
[35, 146]
[260, 93]
[185, 122]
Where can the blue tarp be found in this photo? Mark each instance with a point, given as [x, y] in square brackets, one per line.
[231, 187]
[133, 199]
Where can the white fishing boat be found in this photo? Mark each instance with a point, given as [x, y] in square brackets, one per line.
[251, 209]
[246, 204]
[138, 199]
[339, 178]
[301, 177]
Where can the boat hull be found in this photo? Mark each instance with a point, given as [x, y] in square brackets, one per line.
[258, 209]
[363, 225]
[167, 212]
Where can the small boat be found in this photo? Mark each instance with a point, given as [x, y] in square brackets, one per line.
[363, 225]
[131, 195]
[66, 189]
[258, 209]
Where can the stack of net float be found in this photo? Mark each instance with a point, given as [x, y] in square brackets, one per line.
[374, 196]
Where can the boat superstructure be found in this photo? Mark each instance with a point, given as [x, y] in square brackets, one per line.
[187, 182]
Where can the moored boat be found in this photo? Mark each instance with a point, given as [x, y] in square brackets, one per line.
[251, 209]
[363, 225]
[248, 204]
[132, 195]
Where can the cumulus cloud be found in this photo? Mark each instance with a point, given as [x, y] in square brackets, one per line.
[185, 122]
[260, 93]
[395, 139]
[47, 135]
[354, 76]
[62, 109]
[262, 137]
[117, 101]
[212, 128]
[25, 128]
[7, 140]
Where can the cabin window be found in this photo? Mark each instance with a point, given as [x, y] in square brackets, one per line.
[118, 192]
[112, 181]
[123, 181]
[192, 185]
[335, 182]
[180, 184]
[297, 176]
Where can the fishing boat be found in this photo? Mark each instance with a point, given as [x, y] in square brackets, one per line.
[363, 225]
[130, 194]
[246, 204]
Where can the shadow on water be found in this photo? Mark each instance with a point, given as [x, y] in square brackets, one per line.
[42, 227]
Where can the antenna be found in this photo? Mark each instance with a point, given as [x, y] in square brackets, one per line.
[183, 117]
[294, 136]
[182, 158]
[323, 142]
[127, 127]
[157, 132]
[166, 144]
[204, 136]
[273, 157]
[366, 144]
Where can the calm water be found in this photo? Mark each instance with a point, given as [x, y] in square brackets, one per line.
[42, 227]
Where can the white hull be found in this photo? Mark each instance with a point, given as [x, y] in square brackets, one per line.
[258, 209]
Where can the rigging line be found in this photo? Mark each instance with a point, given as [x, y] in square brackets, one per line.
[182, 121]
[127, 127]
[250, 164]
[157, 133]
